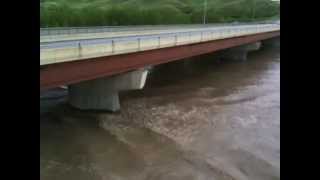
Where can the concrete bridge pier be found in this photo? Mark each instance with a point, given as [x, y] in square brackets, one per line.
[271, 43]
[102, 93]
[240, 53]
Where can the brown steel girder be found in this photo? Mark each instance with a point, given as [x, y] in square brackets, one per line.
[55, 75]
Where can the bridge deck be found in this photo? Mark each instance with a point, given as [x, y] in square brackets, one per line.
[59, 74]
[74, 46]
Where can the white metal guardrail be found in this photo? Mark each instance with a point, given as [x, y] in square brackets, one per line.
[72, 50]
[100, 29]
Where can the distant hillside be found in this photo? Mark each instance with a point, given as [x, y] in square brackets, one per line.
[57, 13]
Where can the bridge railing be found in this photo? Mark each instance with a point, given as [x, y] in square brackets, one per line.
[99, 29]
[89, 48]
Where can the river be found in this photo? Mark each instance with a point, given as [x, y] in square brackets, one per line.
[201, 120]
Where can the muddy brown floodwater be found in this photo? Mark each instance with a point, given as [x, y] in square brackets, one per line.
[200, 120]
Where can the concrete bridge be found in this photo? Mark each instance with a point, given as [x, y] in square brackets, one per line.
[96, 63]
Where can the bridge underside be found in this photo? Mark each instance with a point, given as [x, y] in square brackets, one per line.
[67, 73]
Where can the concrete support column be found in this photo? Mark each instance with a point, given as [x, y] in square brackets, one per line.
[271, 43]
[102, 93]
[240, 53]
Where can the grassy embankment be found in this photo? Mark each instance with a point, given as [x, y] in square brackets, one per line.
[63, 13]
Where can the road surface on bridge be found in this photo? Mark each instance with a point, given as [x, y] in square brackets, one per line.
[73, 33]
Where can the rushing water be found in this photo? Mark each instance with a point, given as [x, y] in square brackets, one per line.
[200, 120]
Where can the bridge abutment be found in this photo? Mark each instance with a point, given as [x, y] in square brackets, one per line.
[102, 93]
[240, 53]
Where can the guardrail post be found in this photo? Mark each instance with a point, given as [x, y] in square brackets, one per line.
[175, 40]
[79, 49]
[159, 42]
[112, 45]
[139, 44]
